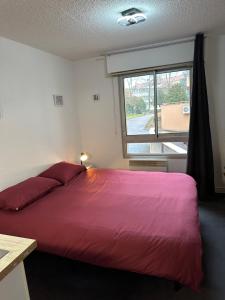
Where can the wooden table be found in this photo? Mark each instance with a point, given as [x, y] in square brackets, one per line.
[3, 253]
[13, 250]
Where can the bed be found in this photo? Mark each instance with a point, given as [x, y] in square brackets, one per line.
[144, 222]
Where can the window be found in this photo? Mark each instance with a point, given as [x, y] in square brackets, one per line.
[155, 111]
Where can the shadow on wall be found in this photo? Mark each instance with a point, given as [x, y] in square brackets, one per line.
[13, 175]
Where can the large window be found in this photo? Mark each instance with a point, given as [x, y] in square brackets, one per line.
[155, 110]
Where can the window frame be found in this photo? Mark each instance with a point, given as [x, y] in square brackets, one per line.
[147, 138]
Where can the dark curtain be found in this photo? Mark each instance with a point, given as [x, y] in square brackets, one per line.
[200, 154]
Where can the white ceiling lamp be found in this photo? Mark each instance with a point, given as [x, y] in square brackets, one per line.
[131, 16]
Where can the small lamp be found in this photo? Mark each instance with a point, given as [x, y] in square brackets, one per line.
[83, 157]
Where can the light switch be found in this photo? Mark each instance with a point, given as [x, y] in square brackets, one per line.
[58, 100]
[96, 97]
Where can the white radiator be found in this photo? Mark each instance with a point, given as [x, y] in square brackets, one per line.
[148, 165]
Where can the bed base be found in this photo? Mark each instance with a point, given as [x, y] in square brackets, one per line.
[45, 272]
[177, 286]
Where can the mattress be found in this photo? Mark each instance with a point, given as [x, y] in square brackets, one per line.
[144, 222]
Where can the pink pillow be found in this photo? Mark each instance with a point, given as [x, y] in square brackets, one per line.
[63, 171]
[18, 196]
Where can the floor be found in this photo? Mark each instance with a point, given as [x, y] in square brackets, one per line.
[81, 281]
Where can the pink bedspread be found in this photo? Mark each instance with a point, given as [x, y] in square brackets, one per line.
[138, 221]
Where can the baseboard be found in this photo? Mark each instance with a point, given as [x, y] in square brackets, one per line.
[220, 189]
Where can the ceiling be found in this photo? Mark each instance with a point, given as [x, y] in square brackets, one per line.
[77, 29]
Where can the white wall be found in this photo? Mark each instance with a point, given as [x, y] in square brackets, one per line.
[99, 122]
[100, 127]
[34, 133]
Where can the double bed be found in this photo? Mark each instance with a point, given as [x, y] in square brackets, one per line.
[144, 222]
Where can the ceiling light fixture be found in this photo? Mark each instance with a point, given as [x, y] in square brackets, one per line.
[131, 16]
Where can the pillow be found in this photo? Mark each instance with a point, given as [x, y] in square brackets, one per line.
[18, 196]
[63, 171]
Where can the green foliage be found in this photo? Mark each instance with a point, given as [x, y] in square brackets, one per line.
[176, 93]
[135, 105]
[161, 97]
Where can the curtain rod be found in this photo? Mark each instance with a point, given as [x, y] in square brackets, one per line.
[150, 46]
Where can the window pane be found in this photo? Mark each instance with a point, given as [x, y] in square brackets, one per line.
[139, 104]
[173, 101]
[157, 148]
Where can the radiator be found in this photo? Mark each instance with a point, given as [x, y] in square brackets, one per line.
[148, 165]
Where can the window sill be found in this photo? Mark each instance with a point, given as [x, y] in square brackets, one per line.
[155, 157]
